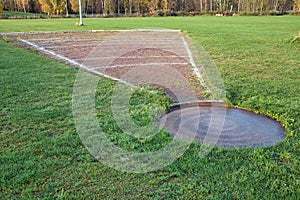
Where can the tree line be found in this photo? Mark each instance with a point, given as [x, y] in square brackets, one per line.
[151, 7]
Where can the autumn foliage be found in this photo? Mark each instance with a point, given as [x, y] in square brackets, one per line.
[151, 7]
[1, 6]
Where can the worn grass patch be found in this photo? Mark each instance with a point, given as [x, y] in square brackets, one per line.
[41, 155]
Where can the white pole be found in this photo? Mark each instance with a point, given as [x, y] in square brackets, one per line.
[67, 12]
[80, 13]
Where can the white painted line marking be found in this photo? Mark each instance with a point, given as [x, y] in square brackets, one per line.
[81, 66]
[92, 31]
[141, 64]
[131, 57]
[195, 68]
[141, 30]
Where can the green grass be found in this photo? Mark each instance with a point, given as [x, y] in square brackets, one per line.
[19, 13]
[41, 155]
[22, 15]
[204, 24]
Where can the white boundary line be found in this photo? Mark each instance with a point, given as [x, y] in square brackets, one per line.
[139, 64]
[133, 57]
[195, 68]
[72, 62]
[142, 30]
[212, 102]
[92, 31]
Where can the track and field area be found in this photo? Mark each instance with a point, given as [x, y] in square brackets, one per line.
[159, 58]
[42, 156]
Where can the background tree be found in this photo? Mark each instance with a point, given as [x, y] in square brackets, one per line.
[296, 6]
[15, 5]
[55, 7]
[74, 6]
[1, 6]
[129, 7]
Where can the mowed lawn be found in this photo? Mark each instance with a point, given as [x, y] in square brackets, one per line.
[42, 157]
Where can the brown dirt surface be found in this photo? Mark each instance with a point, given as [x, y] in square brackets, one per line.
[117, 54]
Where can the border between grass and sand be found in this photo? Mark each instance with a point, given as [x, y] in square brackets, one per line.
[194, 66]
[200, 103]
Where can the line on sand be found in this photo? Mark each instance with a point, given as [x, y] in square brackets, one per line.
[92, 31]
[139, 64]
[131, 57]
[72, 62]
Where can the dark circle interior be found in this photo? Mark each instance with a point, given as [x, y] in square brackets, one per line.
[241, 128]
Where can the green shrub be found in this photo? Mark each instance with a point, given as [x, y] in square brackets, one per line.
[182, 13]
[160, 13]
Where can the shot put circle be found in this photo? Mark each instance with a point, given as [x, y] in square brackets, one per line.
[242, 128]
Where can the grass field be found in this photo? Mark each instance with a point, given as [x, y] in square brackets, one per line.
[11, 13]
[41, 155]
